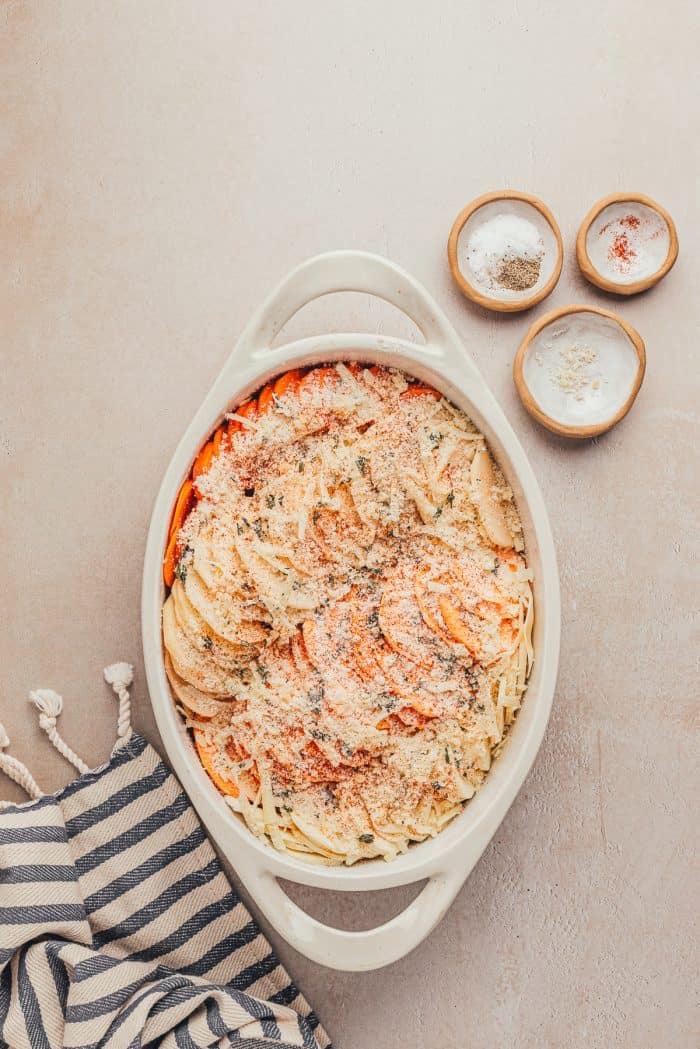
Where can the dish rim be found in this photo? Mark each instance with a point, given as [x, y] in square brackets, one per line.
[594, 276]
[467, 288]
[447, 859]
[533, 407]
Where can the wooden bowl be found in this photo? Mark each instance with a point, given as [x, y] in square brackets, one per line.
[597, 234]
[526, 206]
[584, 384]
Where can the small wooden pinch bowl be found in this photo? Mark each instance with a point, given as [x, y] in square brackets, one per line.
[514, 203]
[595, 239]
[579, 369]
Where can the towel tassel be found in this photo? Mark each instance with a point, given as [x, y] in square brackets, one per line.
[50, 704]
[120, 676]
[17, 772]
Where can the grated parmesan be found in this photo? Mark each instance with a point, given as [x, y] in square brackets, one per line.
[342, 608]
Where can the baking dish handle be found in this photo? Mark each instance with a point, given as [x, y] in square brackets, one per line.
[358, 271]
[357, 951]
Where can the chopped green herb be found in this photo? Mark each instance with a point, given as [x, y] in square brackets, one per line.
[366, 839]
[207, 642]
[300, 467]
[270, 501]
[361, 464]
[316, 694]
[181, 570]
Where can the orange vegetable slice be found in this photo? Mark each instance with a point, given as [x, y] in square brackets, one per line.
[460, 630]
[319, 377]
[396, 610]
[249, 410]
[420, 391]
[266, 399]
[408, 716]
[217, 439]
[206, 753]
[203, 460]
[288, 383]
[356, 367]
[427, 612]
[186, 499]
[170, 560]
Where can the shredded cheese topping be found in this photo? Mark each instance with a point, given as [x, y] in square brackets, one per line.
[349, 630]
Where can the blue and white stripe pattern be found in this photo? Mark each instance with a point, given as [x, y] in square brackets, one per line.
[118, 927]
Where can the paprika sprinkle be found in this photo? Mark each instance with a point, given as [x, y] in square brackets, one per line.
[621, 250]
[629, 241]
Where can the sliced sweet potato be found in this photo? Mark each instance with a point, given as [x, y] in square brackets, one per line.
[266, 399]
[419, 390]
[203, 460]
[217, 439]
[407, 716]
[425, 606]
[288, 383]
[460, 630]
[319, 377]
[186, 499]
[206, 754]
[249, 410]
[172, 555]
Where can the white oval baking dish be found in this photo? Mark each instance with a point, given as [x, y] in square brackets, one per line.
[446, 860]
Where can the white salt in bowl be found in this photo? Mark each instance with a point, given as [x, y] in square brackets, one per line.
[472, 225]
[579, 369]
[627, 243]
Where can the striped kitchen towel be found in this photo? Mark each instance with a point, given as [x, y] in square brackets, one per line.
[118, 927]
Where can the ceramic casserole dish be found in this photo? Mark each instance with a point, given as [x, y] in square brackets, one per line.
[445, 861]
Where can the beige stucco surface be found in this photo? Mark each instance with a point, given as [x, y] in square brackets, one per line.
[162, 164]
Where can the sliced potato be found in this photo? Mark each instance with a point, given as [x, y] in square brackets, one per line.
[491, 512]
[227, 655]
[196, 703]
[216, 561]
[194, 666]
[221, 611]
[206, 753]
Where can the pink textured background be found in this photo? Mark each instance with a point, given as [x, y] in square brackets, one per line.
[162, 164]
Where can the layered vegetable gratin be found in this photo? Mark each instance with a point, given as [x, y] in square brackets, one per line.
[348, 624]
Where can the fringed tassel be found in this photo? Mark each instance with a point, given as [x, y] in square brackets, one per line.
[120, 676]
[50, 704]
[17, 772]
